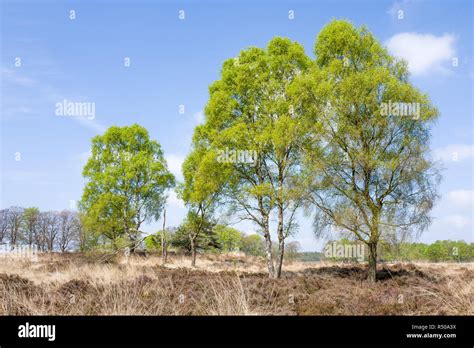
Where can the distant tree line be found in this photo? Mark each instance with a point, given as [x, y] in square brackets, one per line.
[62, 231]
[66, 231]
[217, 239]
[439, 251]
[47, 230]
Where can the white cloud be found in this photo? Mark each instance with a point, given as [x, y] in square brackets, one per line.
[461, 198]
[174, 164]
[425, 53]
[454, 152]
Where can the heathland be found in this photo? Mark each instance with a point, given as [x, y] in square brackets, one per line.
[85, 284]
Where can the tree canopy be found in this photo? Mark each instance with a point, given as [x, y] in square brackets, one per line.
[127, 182]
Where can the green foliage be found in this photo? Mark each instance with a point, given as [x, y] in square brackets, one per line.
[253, 245]
[201, 195]
[206, 240]
[248, 110]
[30, 214]
[127, 179]
[228, 238]
[153, 242]
[439, 251]
[310, 256]
[30, 222]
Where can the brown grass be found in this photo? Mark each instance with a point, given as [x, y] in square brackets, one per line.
[75, 284]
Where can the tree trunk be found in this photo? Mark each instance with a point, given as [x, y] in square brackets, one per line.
[193, 252]
[372, 277]
[133, 245]
[164, 246]
[281, 242]
[268, 249]
[281, 253]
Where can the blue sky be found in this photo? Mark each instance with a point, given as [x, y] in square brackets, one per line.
[172, 63]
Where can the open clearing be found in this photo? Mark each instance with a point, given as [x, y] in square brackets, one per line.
[76, 284]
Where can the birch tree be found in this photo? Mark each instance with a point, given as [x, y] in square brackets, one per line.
[368, 169]
[251, 134]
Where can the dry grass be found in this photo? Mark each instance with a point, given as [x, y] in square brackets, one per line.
[74, 284]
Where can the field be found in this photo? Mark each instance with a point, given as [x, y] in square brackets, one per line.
[76, 284]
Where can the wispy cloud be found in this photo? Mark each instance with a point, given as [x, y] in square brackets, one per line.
[425, 53]
[45, 98]
[92, 124]
[10, 76]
